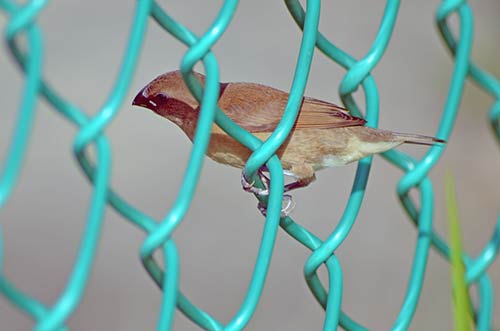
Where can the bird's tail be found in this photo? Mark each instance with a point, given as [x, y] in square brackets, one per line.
[417, 139]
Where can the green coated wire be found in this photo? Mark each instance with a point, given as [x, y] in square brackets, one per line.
[276, 139]
[25, 303]
[362, 68]
[19, 142]
[74, 290]
[22, 20]
[200, 141]
[163, 231]
[171, 281]
[454, 96]
[268, 239]
[326, 47]
[361, 173]
[346, 222]
[489, 83]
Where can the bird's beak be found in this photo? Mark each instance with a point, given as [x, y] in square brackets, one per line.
[142, 100]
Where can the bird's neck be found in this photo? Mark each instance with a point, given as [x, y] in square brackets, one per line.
[186, 120]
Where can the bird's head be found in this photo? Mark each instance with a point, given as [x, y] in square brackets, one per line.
[169, 97]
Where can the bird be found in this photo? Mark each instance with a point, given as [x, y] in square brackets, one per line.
[324, 135]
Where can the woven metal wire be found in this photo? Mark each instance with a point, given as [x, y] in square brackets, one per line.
[22, 24]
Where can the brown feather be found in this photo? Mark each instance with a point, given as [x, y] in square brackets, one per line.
[259, 108]
[324, 135]
[319, 114]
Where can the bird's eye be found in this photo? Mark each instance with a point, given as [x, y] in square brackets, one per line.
[159, 99]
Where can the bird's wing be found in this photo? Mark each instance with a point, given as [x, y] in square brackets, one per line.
[254, 107]
[259, 108]
[318, 114]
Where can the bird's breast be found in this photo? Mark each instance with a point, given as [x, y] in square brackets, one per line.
[329, 161]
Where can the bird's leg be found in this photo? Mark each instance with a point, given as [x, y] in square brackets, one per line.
[287, 203]
[304, 174]
[249, 187]
[302, 182]
[287, 206]
[265, 180]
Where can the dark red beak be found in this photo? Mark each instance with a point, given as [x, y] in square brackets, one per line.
[142, 99]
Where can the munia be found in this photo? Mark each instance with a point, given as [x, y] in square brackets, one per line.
[324, 135]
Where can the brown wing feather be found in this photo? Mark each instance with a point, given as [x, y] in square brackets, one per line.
[320, 114]
[259, 108]
[254, 107]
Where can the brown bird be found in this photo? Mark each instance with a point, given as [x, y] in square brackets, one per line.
[324, 135]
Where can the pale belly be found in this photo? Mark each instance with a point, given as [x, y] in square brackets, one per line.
[305, 151]
[329, 161]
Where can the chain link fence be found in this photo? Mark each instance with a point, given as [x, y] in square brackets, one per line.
[25, 41]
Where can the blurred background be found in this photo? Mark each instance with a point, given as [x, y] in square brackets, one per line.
[218, 240]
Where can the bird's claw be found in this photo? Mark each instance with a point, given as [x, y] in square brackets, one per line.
[249, 187]
[288, 205]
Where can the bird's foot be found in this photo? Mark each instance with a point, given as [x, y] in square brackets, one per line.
[249, 187]
[287, 206]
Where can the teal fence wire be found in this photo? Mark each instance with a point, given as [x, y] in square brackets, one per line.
[25, 42]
